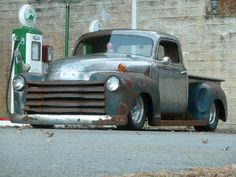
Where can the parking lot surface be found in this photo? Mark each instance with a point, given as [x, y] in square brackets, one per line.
[75, 152]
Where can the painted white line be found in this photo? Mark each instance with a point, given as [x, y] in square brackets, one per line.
[7, 123]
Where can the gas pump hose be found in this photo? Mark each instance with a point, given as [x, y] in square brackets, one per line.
[15, 47]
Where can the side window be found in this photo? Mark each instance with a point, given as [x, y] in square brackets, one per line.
[169, 49]
[161, 52]
[83, 49]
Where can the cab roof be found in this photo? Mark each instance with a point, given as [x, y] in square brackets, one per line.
[153, 34]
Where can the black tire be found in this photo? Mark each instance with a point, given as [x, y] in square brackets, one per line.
[137, 115]
[43, 126]
[212, 121]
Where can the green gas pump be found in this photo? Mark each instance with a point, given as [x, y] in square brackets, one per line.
[27, 42]
[26, 48]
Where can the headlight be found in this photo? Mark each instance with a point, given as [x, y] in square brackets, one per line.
[113, 83]
[18, 83]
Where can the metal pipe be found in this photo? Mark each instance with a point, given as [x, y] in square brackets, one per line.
[134, 14]
[67, 28]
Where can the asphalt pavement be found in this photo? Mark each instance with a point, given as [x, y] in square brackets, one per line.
[74, 152]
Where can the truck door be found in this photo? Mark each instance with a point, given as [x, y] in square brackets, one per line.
[172, 79]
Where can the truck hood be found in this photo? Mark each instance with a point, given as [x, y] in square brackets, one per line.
[82, 68]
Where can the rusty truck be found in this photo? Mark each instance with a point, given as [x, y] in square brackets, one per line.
[123, 78]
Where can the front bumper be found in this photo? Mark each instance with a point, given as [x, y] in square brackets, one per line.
[46, 119]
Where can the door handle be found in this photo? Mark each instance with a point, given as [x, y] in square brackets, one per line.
[183, 72]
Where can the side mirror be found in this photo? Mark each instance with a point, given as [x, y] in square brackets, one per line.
[166, 60]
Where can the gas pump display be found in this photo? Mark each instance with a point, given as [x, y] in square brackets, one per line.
[36, 49]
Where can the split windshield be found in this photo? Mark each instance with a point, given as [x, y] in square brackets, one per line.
[116, 43]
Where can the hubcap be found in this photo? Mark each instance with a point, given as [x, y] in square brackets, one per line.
[212, 114]
[137, 110]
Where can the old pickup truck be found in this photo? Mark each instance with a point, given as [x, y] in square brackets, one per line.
[122, 78]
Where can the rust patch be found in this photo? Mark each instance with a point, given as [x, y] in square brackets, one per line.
[124, 109]
[227, 7]
[184, 122]
[128, 83]
[28, 118]
[116, 120]
[148, 72]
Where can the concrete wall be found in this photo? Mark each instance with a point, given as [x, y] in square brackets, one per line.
[208, 41]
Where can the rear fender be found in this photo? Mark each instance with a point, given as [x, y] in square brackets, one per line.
[201, 96]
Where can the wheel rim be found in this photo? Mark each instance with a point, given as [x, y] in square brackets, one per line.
[212, 117]
[137, 110]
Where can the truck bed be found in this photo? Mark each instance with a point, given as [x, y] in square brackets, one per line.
[201, 79]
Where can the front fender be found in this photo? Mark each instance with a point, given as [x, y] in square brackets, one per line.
[120, 101]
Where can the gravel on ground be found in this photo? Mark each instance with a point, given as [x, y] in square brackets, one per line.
[226, 171]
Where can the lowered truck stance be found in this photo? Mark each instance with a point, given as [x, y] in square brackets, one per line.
[122, 78]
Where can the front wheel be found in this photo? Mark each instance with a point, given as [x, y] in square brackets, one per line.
[137, 115]
[212, 121]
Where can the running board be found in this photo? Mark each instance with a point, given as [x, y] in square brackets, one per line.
[184, 122]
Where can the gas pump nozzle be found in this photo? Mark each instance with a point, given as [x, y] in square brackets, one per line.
[19, 62]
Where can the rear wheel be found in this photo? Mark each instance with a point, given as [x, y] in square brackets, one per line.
[43, 126]
[137, 115]
[212, 121]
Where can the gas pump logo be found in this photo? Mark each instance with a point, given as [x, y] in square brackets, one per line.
[30, 16]
[30, 19]
[27, 15]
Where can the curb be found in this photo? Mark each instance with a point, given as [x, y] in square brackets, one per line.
[4, 119]
[5, 122]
